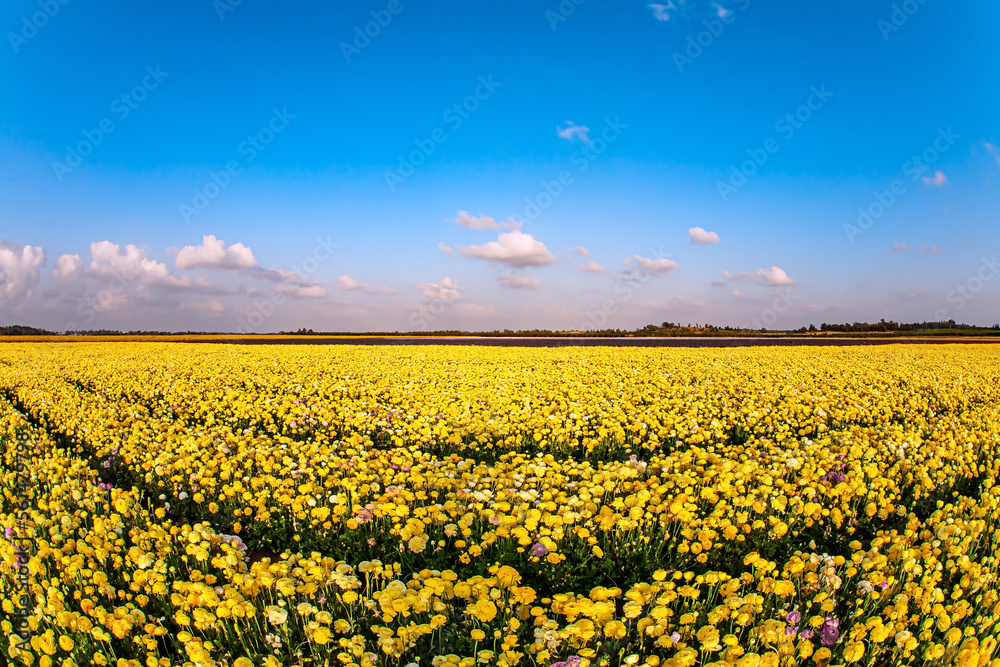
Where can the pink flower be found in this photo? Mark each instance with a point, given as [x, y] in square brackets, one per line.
[830, 631]
[539, 549]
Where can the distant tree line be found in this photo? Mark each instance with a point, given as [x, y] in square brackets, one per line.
[671, 329]
[883, 325]
[664, 329]
[21, 330]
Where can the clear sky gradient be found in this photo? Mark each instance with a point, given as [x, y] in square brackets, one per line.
[407, 164]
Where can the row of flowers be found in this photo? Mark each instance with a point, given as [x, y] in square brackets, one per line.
[176, 537]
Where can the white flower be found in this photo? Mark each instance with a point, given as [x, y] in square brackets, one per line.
[276, 615]
[183, 495]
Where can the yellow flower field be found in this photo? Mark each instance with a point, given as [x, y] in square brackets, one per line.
[197, 504]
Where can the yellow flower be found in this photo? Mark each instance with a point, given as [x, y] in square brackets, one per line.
[614, 629]
[484, 610]
[686, 657]
[854, 651]
[417, 543]
[708, 635]
[276, 615]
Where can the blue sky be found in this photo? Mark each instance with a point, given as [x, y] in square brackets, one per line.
[645, 111]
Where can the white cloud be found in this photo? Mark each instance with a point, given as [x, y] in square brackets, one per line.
[572, 132]
[993, 150]
[670, 304]
[590, 267]
[936, 180]
[579, 250]
[347, 283]
[518, 282]
[515, 249]
[19, 268]
[775, 277]
[657, 266]
[908, 295]
[484, 222]
[213, 253]
[772, 277]
[904, 247]
[446, 289]
[687, 9]
[701, 237]
[660, 11]
[311, 291]
[109, 260]
[445, 249]
[282, 276]
[111, 301]
[211, 306]
[67, 266]
[738, 294]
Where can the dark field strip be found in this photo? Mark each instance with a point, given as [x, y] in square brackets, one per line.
[601, 342]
